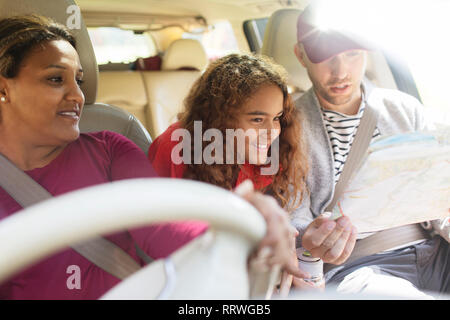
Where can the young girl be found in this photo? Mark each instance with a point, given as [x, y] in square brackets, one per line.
[247, 92]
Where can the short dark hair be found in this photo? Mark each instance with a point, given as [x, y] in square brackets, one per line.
[20, 34]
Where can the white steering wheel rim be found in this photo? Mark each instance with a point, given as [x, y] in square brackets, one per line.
[45, 228]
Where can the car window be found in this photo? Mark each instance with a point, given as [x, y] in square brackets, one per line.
[218, 41]
[120, 46]
[254, 32]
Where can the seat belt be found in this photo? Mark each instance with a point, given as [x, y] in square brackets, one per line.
[357, 152]
[385, 239]
[100, 251]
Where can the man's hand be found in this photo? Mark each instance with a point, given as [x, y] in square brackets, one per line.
[332, 241]
[278, 245]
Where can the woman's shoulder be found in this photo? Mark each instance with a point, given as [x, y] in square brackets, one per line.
[105, 138]
[101, 136]
[109, 142]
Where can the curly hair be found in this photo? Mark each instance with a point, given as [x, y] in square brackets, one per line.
[216, 99]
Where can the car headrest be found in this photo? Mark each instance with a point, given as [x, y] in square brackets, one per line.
[64, 12]
[185, 54]
[281, 36]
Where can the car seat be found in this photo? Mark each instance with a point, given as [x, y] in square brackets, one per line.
[177, 53]
[182, 65]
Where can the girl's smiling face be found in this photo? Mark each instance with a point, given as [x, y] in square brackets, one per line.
[260, 115]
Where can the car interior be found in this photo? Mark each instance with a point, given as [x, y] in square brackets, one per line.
[150, 95]
[231, 235]
[141, 104]
[140, 99]
[155, 97]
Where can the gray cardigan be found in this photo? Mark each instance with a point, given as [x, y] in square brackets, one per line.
[398, 112]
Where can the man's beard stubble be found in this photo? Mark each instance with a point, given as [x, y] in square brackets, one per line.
[334, 100]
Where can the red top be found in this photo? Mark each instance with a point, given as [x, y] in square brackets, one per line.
[92, 159]
[160, 156]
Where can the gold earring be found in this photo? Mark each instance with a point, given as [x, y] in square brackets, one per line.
[3, 99]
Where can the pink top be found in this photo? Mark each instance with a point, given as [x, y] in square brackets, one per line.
[92, 159]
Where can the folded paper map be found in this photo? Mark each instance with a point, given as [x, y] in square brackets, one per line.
[404, 179]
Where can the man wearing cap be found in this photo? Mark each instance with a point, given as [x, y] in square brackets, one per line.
[331, 111]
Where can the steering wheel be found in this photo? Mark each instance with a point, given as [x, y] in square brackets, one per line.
[212, 266]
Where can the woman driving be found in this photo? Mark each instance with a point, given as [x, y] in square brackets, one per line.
[40, 107]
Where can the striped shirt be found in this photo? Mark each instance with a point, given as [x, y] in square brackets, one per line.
[341, 129]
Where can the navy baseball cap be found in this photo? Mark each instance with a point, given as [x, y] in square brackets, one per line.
[321, 45]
